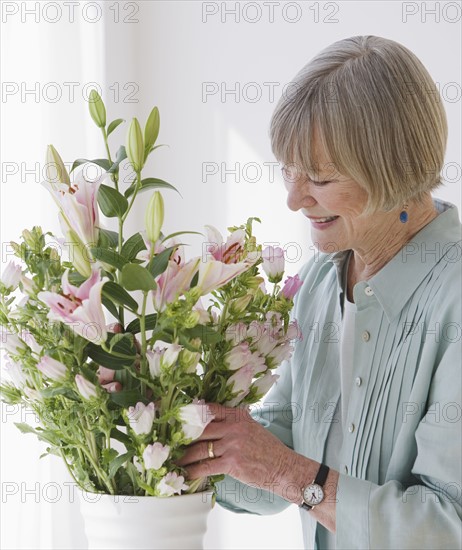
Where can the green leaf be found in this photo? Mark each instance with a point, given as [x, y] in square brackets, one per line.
[114, 125]
[150, 324]
[118, 462]
[109, 256]
[103, 163]
[126, 398]
[113, 204]
[207, 334]
[132, 246]
[172, 235]
[137, 277]
[120, 156]
[160, 261]
[121, 436]
[124, 347]
[107, 239]
[150, 183]
[116, 339]
[109, 305]
[25, 428]
[117, 293]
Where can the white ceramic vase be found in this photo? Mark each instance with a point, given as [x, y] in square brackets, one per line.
[121, 522]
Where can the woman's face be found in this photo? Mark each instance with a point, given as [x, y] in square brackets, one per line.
[328, 194]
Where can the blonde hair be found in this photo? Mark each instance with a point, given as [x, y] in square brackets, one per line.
[379, 115]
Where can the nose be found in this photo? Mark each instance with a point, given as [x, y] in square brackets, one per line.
[299, 195]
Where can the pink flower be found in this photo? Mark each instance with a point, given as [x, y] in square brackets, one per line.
[170, 484]
[154, 356]
[238, 356]
[174, 281]
[141, 417]
[86, 389]
[55, 370]
[273, 263]
[263, 384]
[241, 380]
[291, 287]
[230, 252]
[280, 353]
[194, 417]
[78, 207]
[11, 276]
[214, 274]
[155, 455]
[79, 307]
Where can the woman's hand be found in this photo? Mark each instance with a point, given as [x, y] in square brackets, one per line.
[242, 448]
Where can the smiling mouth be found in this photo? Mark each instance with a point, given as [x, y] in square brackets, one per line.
[324, 220]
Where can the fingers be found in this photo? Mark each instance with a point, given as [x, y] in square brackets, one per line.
[209, 467]
[200, 451]
[228, 414]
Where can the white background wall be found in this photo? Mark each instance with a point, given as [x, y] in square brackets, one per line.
[169, 54]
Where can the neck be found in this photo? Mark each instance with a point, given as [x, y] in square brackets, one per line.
[385, 240]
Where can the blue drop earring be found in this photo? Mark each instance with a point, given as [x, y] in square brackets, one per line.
[403, 216]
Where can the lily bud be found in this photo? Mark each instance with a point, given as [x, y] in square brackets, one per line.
[55, 170]
[135, 145]
[151, 130]
[11, 276]
[97, 109]
[154, 218]
[78, 257]
[239, 305]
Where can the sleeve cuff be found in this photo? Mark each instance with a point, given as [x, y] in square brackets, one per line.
[352, 512]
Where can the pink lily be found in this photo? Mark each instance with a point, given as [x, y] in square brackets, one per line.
[79, 307]
[230, 252]
[78, 207]
[214, 274]
[175, 280]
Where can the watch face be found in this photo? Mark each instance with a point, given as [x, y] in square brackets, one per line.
[313, 494]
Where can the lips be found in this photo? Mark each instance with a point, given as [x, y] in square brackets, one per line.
[324, 220]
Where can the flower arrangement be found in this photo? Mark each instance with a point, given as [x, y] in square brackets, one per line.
[119, 402]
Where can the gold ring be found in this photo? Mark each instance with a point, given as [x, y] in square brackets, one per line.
[210, 449]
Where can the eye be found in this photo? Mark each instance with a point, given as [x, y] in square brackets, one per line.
[320, 183]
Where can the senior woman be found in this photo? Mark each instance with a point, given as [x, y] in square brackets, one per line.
[363, 428]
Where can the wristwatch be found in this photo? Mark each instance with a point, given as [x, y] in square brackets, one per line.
[313, 494]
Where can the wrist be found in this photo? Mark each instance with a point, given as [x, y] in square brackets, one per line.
[299, 473]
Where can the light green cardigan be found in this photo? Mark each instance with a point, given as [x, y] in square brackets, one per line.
[400, 479]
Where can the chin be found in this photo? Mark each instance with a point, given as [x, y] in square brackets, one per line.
[328, 247]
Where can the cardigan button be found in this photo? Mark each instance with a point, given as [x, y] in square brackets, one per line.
[366, 336]
[368, 290]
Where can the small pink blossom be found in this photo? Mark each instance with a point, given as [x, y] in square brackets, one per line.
[291, 287]
[11, 276]
[53, 369]
[155, 455]
[273, 263]
[264, 383]
[170, 484]
[86, 389]
[194, 417]
[141, 417]
[238, 356]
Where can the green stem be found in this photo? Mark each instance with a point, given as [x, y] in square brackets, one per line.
[143, 341]
[132, 200]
